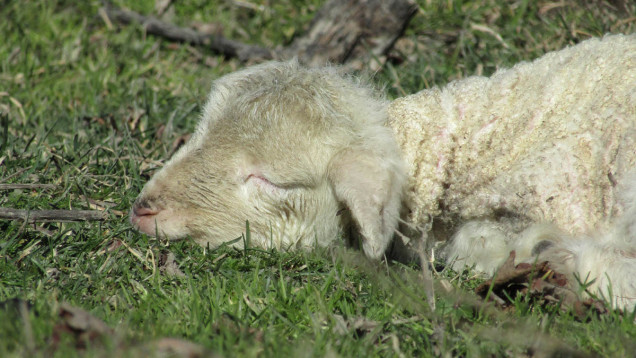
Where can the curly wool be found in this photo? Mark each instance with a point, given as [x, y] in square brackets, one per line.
[548, 141]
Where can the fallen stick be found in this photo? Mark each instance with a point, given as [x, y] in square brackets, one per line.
[217, 43]
[343, 31]
[26, 186]
[52, 215]
[346, 31]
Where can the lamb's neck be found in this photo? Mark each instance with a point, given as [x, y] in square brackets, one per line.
[424, 125]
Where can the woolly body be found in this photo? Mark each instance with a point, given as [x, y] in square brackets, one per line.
[549, 141]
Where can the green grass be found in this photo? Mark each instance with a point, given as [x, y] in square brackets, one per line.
[93, 109]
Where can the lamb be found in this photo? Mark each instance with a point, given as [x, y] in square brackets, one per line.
[537, 158]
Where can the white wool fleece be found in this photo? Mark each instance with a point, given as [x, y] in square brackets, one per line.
[548, 141]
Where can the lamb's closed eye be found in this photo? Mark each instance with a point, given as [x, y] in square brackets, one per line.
[264, 185]
[260, 180]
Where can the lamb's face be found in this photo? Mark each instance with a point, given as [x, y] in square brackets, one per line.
[275, 148]
[248, 161]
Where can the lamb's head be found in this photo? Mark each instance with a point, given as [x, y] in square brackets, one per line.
[294, 151]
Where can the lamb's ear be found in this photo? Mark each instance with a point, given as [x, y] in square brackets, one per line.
[370, 185]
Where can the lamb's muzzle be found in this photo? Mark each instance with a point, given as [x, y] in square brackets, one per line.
[537, 158]
[143, 216]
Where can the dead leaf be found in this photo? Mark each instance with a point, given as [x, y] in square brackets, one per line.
[161, 6]
[581, 308]
[85, 328]
[134, 117]
[181, 140]
[511, 277]
[211, 61]
[544, 286]
[360, 326]
[226, 322]
[114, 245]
[106, 120]
[168, 265]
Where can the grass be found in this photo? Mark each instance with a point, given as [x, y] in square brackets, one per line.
[94, 109]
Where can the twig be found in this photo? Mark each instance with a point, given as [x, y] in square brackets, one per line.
[350, 31]
[427, 276]
[27, 186]
[52, 215]
[15, 174]
[217, 43]
[102, 205]
[400, 321]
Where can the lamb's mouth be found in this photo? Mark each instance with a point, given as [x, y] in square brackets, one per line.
[144, 219]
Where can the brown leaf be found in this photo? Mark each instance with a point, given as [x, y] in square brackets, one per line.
[181, 140]
[160, 130]
[134, 116]
[225, 322]
[363, 325]
[107, 120]
[168, 265]
[544, 285]
[511, 276]
[114, 245]
[82, 321]
[161, 6]
[359, 326]
[85, 328]
[582, 308]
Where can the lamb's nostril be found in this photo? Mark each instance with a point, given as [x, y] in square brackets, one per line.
[142, 211]
[144, 208]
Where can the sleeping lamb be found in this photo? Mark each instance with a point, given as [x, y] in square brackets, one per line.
[537, 159]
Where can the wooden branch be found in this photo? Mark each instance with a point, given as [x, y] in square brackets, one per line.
[341, 31]
[26, 186]
[52, 215]
[217, 43]
[344, 30]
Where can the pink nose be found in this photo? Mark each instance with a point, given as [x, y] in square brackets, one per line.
[142, 211]
[145, 207]
[142, 214]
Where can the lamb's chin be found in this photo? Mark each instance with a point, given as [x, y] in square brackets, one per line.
[163, 224]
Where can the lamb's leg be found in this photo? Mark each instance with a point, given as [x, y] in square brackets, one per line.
[478, 244]
[606, 269]
[605, 265]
